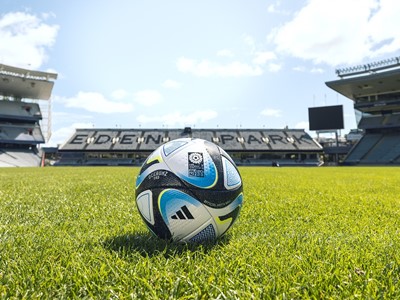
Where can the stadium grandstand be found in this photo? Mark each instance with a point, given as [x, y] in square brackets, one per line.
[23, 124]
[375, 90]
[113, 147]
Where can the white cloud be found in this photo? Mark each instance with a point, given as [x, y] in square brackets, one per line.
[271, 8]
[119, 94]
[96, 102]
[299, 69]
[383, 27]
[179, 119]
[270, 112]
[313, 70]
[261, 58]
[317, 70]
[267, 59]
[341, 32]
[206, 68]
[60, 117]
[61, 135]
[171, 84]
[148, 97]
[50, 70]
[250, 42]
[273, 67]
[25, 39]
[275, 8]
[225, 53]
[302, 125]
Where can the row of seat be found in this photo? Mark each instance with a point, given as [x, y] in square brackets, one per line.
[148, 140]
[19, 158]
[370, 122]
[18, 110]
[378, 148]
[21, 133]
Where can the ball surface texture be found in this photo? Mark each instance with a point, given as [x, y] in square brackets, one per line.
[189, 190]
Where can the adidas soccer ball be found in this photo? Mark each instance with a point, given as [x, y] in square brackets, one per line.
[189, 190]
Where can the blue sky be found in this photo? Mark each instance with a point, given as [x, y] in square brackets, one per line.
[205, 64]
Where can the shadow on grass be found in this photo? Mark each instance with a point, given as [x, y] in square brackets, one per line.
[149, 245]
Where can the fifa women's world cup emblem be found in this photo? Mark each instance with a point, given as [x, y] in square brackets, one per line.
[195, 164]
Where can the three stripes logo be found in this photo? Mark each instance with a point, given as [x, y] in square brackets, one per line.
[183, 214]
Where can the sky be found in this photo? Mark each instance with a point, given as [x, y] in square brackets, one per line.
[204, 64]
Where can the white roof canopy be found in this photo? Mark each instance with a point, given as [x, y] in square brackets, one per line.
[24, 83]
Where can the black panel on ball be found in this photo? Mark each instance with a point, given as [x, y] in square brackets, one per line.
[160, 179]
[216, 198]
[213, 151]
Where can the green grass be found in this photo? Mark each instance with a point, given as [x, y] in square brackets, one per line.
[302, 233]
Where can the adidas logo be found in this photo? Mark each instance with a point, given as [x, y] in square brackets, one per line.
[183, 214]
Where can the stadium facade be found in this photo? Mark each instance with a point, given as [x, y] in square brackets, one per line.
[375, 90]
[246, 146]
[23, 125]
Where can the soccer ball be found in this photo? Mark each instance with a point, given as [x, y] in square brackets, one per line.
[189, 190]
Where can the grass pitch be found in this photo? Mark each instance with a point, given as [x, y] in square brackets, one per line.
[302, 233]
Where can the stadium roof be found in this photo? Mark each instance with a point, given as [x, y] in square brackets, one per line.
[24, 83]
[372, 84]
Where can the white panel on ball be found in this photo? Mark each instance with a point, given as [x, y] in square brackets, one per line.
[145, 206]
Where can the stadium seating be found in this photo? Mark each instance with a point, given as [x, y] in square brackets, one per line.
[229, 140]
[381, 142]
[20, 133]
[207, 135]
[103, 140]
[71, 159]
[380, 121]
[19, 158]
[371, 122]
[382, 148]
[21, 116]
[362, 148]
[173, 134]
[387, 149]
[374, 90]
[23, 133]
[18, 110]
[132, 146]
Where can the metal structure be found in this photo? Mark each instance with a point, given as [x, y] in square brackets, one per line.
[369, 68]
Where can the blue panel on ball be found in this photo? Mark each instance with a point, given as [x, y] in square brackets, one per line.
[172, 146]
[238, 201]
[170, 201]
[231, 174]
[207, 234]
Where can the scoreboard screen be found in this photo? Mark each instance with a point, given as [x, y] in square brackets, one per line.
[326, 117]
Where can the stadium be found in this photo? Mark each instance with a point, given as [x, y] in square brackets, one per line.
[73, 231]
[373, 88]
[22, 134]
